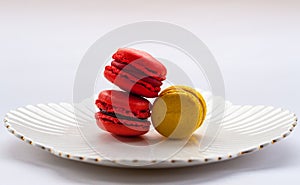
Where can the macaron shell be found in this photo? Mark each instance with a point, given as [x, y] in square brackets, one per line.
[195, 93]
[180, 91]
[176, 114]
[142, 61]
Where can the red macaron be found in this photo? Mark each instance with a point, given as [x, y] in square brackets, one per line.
[136, 71]
[122, 113]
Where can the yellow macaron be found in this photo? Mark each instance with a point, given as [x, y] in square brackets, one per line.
[178, 112]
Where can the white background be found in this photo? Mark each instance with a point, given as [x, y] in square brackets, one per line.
[255, 43]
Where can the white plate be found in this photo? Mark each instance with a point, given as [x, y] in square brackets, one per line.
[54, 128]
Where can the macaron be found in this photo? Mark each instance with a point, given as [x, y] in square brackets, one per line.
[136, 71]
[122, 113]
[178, 112]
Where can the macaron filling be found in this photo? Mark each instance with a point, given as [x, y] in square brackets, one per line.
[107, 120]
[139, 113]
[129, 68]
[118, 74]
[119, 116]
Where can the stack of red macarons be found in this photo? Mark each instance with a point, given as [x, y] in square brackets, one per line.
[140, 75]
